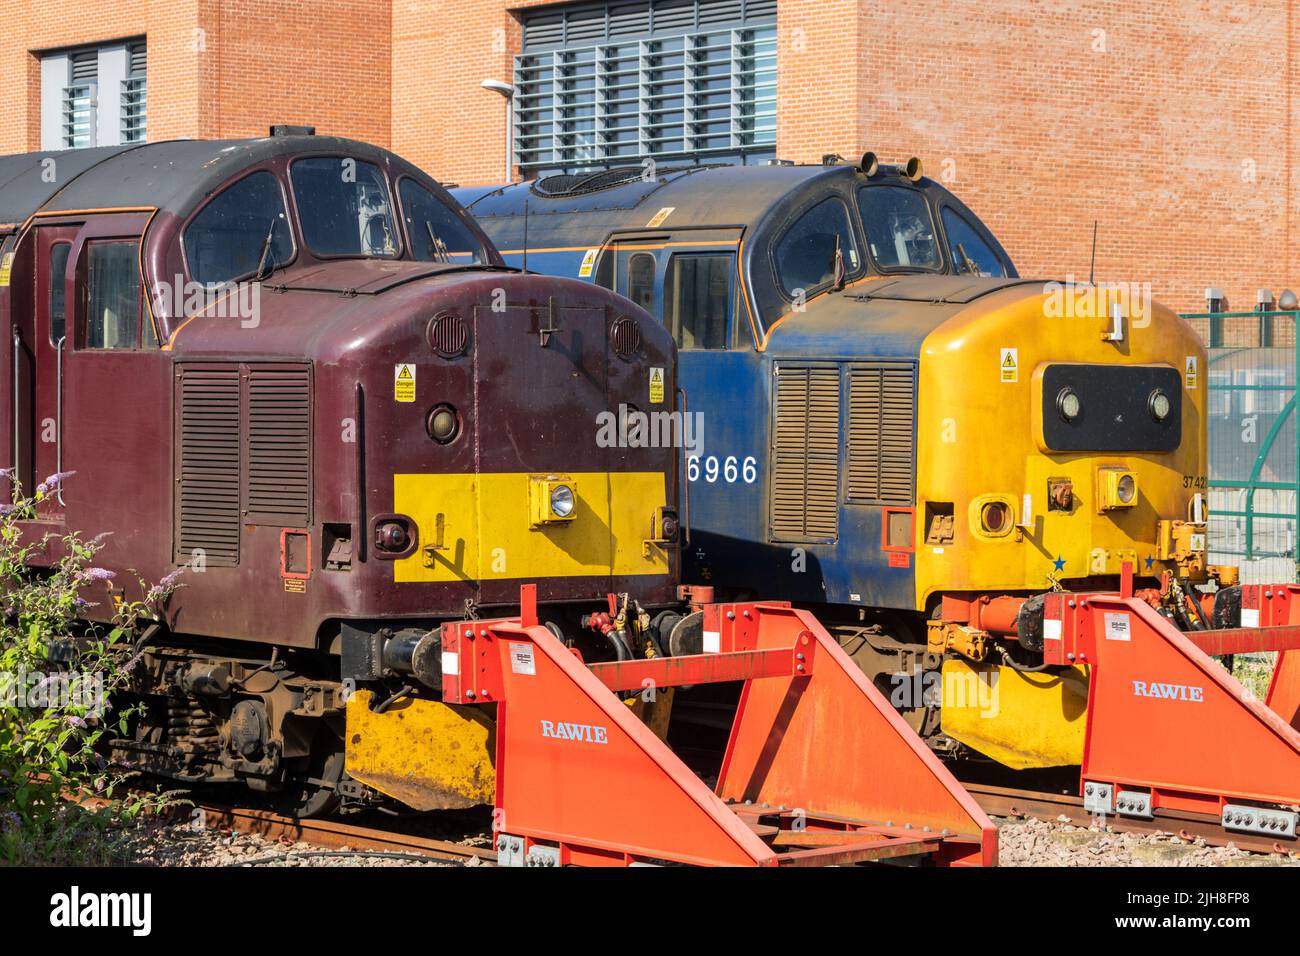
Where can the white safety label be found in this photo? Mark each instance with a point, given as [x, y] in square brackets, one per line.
[1189, 372]
[1051, 629]
[521, 659]
[1117, 627]
[588, 263]
[1250, 617]
[450, 663]
[712, 642]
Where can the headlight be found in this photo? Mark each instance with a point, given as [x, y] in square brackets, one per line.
[443, 424]
[562, 501]
[1125, 489]
[1158, 405]
[1068, 404]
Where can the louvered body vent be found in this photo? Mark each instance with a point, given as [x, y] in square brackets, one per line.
[207, 459]
[278, 490]
[243, 455]
[804, 492]
[882, 425]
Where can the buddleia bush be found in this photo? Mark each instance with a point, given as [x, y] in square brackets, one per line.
[58, 678]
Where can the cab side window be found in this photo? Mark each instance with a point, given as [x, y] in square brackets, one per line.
[970, 254]
[58, 290]
[641, 280]
[697, 300]
[112, 295]
[806, 254]
[243, 229]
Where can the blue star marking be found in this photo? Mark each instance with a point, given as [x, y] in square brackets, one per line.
[1059, 564]
[1150, 561]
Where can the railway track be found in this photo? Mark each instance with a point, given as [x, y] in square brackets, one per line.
[324, 834]
[335, 835]
[1048, 806]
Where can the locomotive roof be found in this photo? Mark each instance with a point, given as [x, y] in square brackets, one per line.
[701, 196]
[172, 176]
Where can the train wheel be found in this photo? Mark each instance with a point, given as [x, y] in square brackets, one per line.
[312, 793]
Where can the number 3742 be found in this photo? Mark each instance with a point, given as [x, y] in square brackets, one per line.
[730, 469]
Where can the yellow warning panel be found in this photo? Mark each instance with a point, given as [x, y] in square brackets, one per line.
[404, 382]
[656, 386]
[6, 267]
[588, 263]
[1020, 720]
[427, 754]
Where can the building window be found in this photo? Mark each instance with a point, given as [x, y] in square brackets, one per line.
[135, 90]
[619, 82]
[94, 96]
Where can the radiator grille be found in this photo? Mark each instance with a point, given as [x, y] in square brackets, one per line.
[882, 415]
[805, 453]
[207, 503]
[278, 490]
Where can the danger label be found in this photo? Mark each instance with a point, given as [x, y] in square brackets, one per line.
[521, 659]
[404, 382]
[660, 216]
[6, 267]
[1117, 628]
[588, 263]
[656, 386]
[295, 585]
[1189, 372]
[1009, 365]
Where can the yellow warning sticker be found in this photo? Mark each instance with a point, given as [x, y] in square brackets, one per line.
[656, 386]
[1189, 370]
[6, 267]
[404, 382]
[588, 263]
[660, 216]
[1009, 365]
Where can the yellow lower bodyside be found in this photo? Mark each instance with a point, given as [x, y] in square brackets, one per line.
[1020, 720]
[488, 532]
[428, 755]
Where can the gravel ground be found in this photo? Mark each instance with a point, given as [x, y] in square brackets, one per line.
[172, 844]
[1026, 842]
[1033, 842]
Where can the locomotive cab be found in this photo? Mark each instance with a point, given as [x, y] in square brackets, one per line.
[900, 431]
[296, 373]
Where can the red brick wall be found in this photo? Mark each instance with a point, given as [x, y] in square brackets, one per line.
[1172, 128]
[1170, 124]
[216, 69]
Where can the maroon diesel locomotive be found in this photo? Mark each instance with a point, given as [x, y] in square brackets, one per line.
[296, 369]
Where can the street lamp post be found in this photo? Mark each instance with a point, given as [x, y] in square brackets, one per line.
[508, 92]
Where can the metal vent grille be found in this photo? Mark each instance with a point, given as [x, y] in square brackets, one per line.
[207, 501]
[448, 335]
[625, 335]
[882, 423]
[804, 494]
[278, 490]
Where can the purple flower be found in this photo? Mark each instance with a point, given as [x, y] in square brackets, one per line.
[10, 820]
[56, 479]
[74, 721]
[169, 581]
[98, 574]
